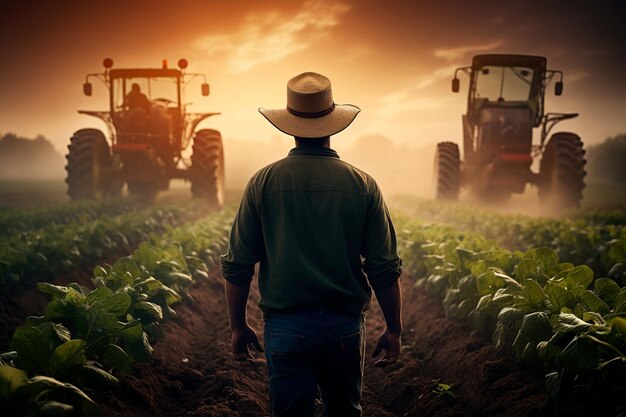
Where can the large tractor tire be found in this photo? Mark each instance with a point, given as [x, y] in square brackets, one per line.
[562, 171]
[207, 167]
[88, 162]
[447, 171]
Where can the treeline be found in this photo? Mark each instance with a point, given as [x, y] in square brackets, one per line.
[606, 161]
[27, 158]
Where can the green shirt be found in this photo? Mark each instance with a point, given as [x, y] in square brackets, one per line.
[319, 228]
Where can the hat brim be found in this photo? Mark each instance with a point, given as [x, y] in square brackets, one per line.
[319, 127]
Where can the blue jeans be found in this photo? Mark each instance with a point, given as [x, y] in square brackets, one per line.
[307, 349]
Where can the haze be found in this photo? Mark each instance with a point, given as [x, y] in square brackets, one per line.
[393, 59]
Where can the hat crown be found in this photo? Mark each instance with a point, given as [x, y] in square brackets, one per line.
[309, 92]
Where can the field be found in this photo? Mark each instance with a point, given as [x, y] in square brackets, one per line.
[117, 309]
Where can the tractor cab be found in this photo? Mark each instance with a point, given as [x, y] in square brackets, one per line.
[145, 100]
[510, 82]
[146, 108]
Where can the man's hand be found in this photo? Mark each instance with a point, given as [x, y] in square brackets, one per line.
[241, 338]
[390, 301]
[390, 343]
[242, 334]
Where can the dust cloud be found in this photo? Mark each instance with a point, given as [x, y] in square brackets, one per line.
[398, 169]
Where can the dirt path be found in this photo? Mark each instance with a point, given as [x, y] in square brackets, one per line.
[193, 375]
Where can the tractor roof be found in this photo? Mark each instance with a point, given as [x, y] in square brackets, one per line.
[144, 72]
[537, 63]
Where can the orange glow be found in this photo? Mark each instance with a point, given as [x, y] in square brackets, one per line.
[394, 60]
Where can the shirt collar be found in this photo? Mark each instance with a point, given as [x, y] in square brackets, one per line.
[316, 151]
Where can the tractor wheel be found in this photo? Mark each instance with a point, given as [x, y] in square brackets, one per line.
[447, 171]
[207, 166]
[87, 161]
[562, 171]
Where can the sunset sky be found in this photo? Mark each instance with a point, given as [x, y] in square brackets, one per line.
[394, 59]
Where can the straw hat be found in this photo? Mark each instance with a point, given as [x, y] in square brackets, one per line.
[311, 111]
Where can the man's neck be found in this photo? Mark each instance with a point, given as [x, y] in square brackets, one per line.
[313, 142]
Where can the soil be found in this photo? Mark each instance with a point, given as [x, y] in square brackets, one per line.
[193, 374]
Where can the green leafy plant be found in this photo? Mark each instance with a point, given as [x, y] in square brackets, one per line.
[87, 335]
[32, 256]
[594, 238]
[554, 316]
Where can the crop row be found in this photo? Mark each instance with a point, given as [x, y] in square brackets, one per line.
[552, 315]
[43, 253]
[580, 239]
[446, 210]
[87, 336]
[13, 221]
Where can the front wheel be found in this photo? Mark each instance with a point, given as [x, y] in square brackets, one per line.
[447, 171]
[562, 171]
[207, 166]
[88, 163]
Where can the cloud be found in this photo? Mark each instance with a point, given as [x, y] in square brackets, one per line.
[453, 54]
[414, 96]
[271, 36]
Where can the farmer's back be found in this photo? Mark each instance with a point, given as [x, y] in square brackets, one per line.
[312, 250]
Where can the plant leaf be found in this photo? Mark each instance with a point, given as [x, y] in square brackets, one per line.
[117, 304]
[33, 349]
[147, 311]
[11, 379]
[581, 354]
[565, 322]
[559, 297]
[115, 357]
[592, 302]
[534, 293]
[581, 276]
[97, 378]
[535, 328]
[99, 294]
[68, 355]
[607, 290]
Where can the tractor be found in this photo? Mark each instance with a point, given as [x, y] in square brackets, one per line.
[148, 128]
[505, 102]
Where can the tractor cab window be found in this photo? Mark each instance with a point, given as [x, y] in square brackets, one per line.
[503, 85]
[159, 91]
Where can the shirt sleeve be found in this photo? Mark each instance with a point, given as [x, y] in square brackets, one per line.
[381, 264]
[246, 241]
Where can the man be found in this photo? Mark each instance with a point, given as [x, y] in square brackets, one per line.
[323, 236]
[136, 99]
